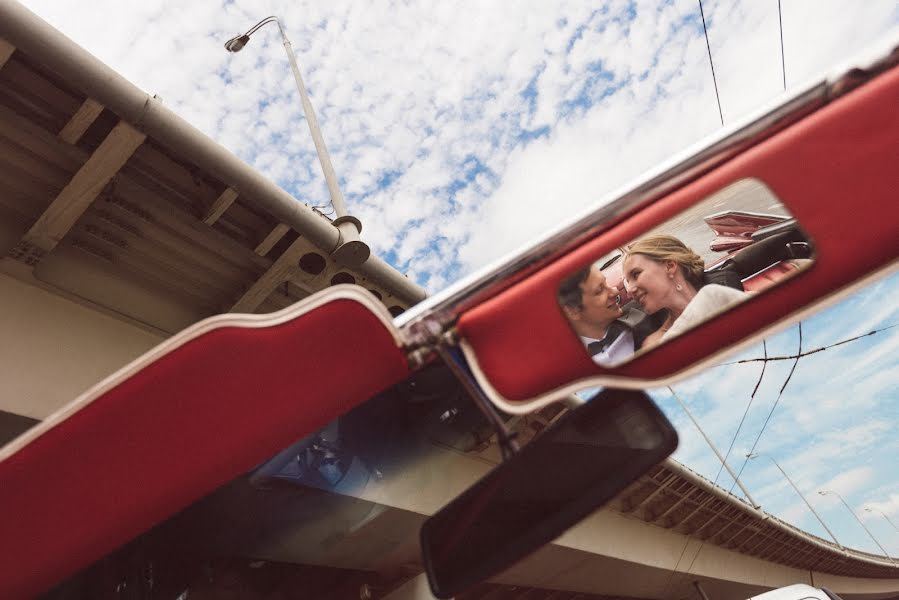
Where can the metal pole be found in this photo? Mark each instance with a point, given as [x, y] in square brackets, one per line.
[883, 514]
[814, 512]
[715, 450]
[849, 508]
[350, 250]
[320, 148]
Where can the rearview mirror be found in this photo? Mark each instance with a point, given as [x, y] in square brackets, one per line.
[562, 476]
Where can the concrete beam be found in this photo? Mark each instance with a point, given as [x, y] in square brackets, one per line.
[284, 268]
[79, 193]
[58, 347]
[83, 118]
[272, 238]
[695, 510]
[221, 204]
[712, 537]
[742, 545]
[715, 517]
[664, 484]
[674, 506]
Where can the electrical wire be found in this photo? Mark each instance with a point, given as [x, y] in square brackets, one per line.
[783, 66]
[745, 412]
[758, 437]
[771, 412]
[318, 208]
[799, 354]
[711, 64]
[721, 468]
[815, 351]
[764, 360]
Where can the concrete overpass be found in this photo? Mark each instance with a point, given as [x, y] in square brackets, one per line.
[670, 529]
[120, 224]
[112, 202]
[667, 532]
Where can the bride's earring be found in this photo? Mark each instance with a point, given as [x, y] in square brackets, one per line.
[678, 287]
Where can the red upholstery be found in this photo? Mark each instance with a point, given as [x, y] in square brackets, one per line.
[835, 170]
[187, 423]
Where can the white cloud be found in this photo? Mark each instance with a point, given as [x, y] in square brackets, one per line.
[416, 90]
[889, 507]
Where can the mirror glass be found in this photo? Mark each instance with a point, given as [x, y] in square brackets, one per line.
[560, 477]
[733, 244]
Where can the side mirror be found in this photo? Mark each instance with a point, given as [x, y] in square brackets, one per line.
[572, 469]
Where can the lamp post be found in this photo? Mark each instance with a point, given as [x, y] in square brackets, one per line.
[885, 553]
[715, 450]
[350, 250]
[882, 514]
[796, 489]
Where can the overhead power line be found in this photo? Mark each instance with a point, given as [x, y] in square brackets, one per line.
[783, 66]
[764, 360]
[711, 64]
[776, 402]
[767, 358]
[745, 412]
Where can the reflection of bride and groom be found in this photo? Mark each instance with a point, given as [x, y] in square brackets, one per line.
[668, 281]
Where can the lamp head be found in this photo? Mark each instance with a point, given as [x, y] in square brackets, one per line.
[237, 43]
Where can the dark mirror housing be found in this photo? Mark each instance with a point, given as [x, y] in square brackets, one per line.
[573, 468]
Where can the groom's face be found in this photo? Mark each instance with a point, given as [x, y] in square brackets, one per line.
[600, 301]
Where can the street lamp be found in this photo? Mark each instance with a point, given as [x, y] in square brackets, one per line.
[882, 514]
[885, 553]
[817, 516]
[350, 250]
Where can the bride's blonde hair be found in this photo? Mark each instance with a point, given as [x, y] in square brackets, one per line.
[661, 248]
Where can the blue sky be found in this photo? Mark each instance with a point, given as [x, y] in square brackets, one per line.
[833, 428]
[462, 130]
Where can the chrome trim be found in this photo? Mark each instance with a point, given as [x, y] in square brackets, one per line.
[772, 230]
[746, 213]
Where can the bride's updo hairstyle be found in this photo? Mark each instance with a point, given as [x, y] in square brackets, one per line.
[661, 248]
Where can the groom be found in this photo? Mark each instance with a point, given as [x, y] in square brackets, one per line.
[610, 333]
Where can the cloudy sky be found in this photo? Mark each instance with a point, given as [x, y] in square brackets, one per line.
[833, 428]
[462, 130]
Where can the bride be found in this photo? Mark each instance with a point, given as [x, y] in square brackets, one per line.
[662, 273]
